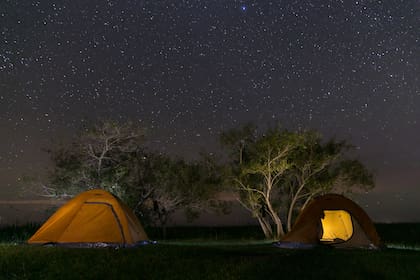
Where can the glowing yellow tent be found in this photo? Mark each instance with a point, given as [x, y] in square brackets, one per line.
[92, 217]
[333, 220]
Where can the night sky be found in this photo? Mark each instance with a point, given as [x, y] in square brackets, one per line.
[188, 70]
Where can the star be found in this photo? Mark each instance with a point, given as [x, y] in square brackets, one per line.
[348, 69]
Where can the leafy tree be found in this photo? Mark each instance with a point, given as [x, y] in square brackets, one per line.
[180, 185]
[280, 171]
[97, 158]
[257, 175]
[319, 168]
[111, 156]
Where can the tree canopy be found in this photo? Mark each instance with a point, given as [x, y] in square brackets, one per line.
[274, 172]
[277, 172]
[112, 156]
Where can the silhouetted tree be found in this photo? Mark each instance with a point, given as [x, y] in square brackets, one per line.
[111, 156]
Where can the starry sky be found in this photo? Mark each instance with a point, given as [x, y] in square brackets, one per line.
[189, 69]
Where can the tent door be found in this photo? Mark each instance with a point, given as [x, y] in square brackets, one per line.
[337, 226]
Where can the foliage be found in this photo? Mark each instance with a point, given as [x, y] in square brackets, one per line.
[176, 184]
[111, 156]
[280, 170]
[318, 168]
[96, 158]
[258, 178]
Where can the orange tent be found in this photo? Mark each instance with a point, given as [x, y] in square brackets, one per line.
[92, 217]
[333, 220]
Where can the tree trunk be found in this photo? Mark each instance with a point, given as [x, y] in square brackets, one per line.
[307, 200]
[276, 219]
[290, 212]
[292, 206]
[273, 214]
[266, 228]
[289, 217]
[164, 232]
[163, 219]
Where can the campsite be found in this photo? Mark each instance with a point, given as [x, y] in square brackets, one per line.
[211, 253]
[93, 236]
[209, 139]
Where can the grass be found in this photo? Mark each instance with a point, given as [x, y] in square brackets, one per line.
[198, 262]
[200, 253]
[17, 234]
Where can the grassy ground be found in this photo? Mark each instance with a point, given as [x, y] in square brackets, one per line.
[212, 262]
[211, 254]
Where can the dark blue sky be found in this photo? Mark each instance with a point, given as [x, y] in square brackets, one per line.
[190, 69]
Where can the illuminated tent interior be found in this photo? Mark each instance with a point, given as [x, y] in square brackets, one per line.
[332, 220]
[92, 217]
[336, 225]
